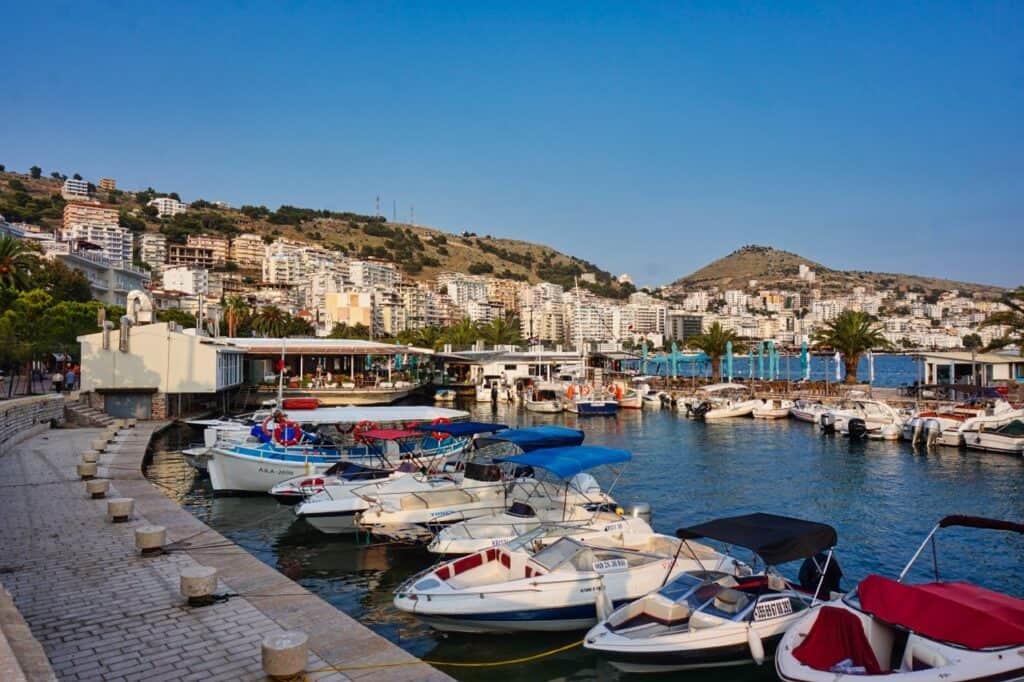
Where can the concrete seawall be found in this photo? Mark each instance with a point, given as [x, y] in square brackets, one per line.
[23, 418]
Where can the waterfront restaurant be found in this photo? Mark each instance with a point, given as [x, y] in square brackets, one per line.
[971, 369]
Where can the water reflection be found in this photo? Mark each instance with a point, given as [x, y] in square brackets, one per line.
[881, 496]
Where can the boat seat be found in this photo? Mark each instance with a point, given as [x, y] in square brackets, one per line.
[666, 611]
[731, 601]
[441, 498]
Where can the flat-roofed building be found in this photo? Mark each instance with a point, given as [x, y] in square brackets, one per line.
[192, 256]
[217, 245]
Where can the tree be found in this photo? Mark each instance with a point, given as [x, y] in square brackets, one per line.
[480, 268]
[344, 331]
[55, 175]
[60, 281]
[501, 332]
[714, 343]
[429, 337]
[185, 319]
[299, 326]
[77, 176]
[1012, 319]
[972, 341]
[270, 321]
[36, 172]
[461, 334]
[851, 333]
[16, 263]
[236, 311]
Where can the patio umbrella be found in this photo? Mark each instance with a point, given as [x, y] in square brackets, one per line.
[838, 359]
[871, 367]
[728, 359]
[771, 359]
[750, 362]
[805, 362]
[760, 360]
[643, 357]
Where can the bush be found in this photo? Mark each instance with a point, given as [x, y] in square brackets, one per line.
[480, 268]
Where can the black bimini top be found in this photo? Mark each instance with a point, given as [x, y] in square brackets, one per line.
[776, 539]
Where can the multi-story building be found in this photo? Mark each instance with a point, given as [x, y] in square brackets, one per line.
[191, 256]
[108, 184]
[109, 280]
[504, 291]
[217, 245]
[462, 289]
[89, 213]
[194, 281]
[545, 323]
[247, 251]
[485, 311]
[114, 242]
[373, 273]
[682, 327]
[350, 307]
[75, 189]
[167, 206]
[283, 265]
[152, 249]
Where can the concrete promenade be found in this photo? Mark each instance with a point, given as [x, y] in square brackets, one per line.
[102, 612]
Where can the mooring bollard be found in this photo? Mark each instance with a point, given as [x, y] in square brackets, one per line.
[150, 540]
[198, 583]
[97, 488]
[130, 423]
[90, 456]
[120, 509]
[99, 444]
[285, 654]
[110, 432]
[86, 470]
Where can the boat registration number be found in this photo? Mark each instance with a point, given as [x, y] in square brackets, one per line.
[611, 565]
[773, 609]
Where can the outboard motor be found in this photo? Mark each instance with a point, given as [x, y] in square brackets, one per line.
[857, 429]
[700, 409]
[932, 430]
[639, 510]
[918, 428]
[828, 423]
[811, 572]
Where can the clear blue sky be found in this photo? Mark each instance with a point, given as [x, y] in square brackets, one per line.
[646, 137]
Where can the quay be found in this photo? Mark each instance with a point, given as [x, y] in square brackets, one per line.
[84, 605]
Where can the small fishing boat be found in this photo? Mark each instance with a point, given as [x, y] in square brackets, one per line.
[568, 497]
[1008, 438]
[544, 398]
[445, 395]
[773, 408]
[939, 631]
[567, 585]
[705, 619]
[587, 401]
[492, 389]
[808, 410]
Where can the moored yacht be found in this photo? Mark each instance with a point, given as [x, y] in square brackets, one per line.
[1008, 438]
[773, 408]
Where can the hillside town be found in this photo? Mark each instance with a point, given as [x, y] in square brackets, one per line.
[331, 290]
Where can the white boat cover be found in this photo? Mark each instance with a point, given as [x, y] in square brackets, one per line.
[352, 414]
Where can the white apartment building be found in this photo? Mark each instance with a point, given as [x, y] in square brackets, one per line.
[485, 311]
[282, 265]
[152, 249]
[545, 322]
[464, 289]
[115, 242]
[193, 281]
[373, 273]
[75, 189]
[166, 206]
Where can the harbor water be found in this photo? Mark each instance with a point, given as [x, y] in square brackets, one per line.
[883, 497]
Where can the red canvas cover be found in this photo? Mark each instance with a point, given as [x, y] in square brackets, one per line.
[836, 635]
[954, 612]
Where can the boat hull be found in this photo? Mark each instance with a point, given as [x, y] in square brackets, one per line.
[727, 655]
[337, 397]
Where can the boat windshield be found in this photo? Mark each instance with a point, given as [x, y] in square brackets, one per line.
[709, 592]
[583, 558]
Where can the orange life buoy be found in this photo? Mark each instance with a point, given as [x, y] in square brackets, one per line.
[440, 435]
[267, 432]
[362, 427]
[281, 433]
[618, 392]
[586, 390]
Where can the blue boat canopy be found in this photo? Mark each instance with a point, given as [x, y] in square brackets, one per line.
[568, 461]
[461, 428]
[535, 437]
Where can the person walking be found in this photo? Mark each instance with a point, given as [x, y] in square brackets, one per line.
[69, 380]
[58, 380]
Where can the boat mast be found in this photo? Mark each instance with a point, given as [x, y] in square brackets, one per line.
[280, 377]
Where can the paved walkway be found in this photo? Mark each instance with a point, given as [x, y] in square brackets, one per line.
[102, 612]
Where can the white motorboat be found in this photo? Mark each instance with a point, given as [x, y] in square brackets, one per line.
[860, 418]
[808, 411]
[720, 401]
[628, 398]
[654, 400]
[545, 398]
[931, 632]
[567, 585]
[586, 400]
[773, 408]
[445, 395]
[706, 619]
[308, 442]
[1008, 438]
[568, 497]
[1000, 413]
[414, 509]
[493, 389]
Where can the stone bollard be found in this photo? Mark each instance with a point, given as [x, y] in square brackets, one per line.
[121, 423]
[119, 509]
[90, 456]
[97, 488]
[285, 654]
[87, 470]
[130, 423]
[99, 444]
[150, 540]
[198, 583]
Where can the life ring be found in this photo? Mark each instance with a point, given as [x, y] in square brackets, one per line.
[343, 430]
[361, 428]
[281, 433]
[439, 435]
[269, 433]
[586, 390]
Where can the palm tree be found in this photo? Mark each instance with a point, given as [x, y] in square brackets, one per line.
[236, 311]
[270, 321]
[852, 333]
[502, 331]
[461, 334]
[1013, 319]
[430, 337]
[16, 263]
[714, 343]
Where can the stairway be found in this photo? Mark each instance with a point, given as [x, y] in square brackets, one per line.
[79, 413]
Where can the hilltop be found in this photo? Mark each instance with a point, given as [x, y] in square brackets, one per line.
[775, 268]
[422, 252]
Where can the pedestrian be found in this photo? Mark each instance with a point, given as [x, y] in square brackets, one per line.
[58, 380]
[69, 379]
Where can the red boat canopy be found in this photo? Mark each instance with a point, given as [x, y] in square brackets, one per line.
[390, 434]
[954, 612]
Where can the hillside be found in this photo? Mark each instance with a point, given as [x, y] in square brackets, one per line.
[775, 268]
[422, 252]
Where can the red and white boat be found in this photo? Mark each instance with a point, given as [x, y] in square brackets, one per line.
[931, 632]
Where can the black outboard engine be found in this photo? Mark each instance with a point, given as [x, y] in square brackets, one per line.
[857, 429]
[811, 572]
[828, 423]
[494, 394]
[700, 409]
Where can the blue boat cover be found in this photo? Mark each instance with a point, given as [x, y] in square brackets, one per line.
[461, 428]
[569, 461]
[535, 437]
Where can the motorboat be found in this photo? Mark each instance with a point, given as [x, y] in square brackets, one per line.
[654, 400]
[808, 410]
[998, 414]
[493, 389]
[308, 442]
[941, 631]
[710, 618]
[947, 425]
[772, 408]
[588, 401]
[545, 398]
[332, 509]
[860, 418]
[413, 509]
[1007, 438]
[720, 401]
[628, 398]
[569, 497]
[444, 395]
[569, 584]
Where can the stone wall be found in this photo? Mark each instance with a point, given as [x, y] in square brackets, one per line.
[23, 418]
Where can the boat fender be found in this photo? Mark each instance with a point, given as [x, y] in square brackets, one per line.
[602, 602]
[755, 644]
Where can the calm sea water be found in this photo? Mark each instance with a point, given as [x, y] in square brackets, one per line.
[882, 497]
[890, 370]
